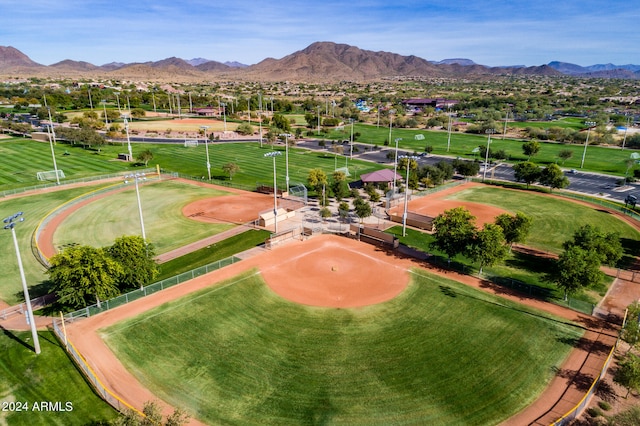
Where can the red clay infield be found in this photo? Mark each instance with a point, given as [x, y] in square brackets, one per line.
[229, 208]
[433, 205]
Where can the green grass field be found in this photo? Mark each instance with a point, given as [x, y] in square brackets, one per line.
[35, 207]
[554, 220]
[27, 378]
[100, 222]
[218, 251]
[239, 354]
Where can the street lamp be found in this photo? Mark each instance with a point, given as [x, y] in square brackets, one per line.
[126, 128]
[136, 177]
[395, 165]
[286, 157]
[406, 192]
[274, 154]
[10, 223]
[589, 125]
[486, 156]
[206, 149]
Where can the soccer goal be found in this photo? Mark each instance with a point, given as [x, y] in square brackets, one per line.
[190, 142]
[345, 170]
[50, 175]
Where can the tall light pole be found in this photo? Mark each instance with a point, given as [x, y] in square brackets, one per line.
[351, 143]
[126, 128]
[406, 192]
[118, 101]
[274, 154]
[52, 140]
[206, 148]
[589, 125]
[626, 129]
[224, 115]
[486, 156]
[395, 166]
[286, 157]
[136, 177]
[449, 131]
[10, 223]
[504, 132]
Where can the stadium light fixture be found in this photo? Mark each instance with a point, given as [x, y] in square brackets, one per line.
[406, 192]
[10, 223]
[395, 165]
[136, 177]
[206, 149]
[486, 156]
[589, 125]
[126, 128]
[274, 154]
[286, 157]
[52, 140]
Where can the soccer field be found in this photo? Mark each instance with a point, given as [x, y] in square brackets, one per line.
[440, 353]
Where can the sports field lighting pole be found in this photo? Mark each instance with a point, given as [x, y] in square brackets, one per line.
[406, 192]
[126, 128]
[286, 157]
[206, 148]
[224, 115]
[136, 177]
[626, 129]
[52, 140]
[486, 156]
[449, 131]
[351, 143]
[274, 154]
[589, 125]
[10, 223]
[395, 165]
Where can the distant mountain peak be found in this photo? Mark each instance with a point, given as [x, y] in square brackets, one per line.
[459, 61]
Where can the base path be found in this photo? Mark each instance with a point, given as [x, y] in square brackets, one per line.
[319, 288]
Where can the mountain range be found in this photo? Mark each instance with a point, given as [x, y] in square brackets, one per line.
[319, 62]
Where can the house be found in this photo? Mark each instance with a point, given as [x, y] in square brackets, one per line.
[419, 104]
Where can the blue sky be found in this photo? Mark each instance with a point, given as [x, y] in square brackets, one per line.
[532, 32]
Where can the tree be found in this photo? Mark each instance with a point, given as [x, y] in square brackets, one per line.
[230, 169]
[245, 129]
[145, 156]
[280, 121]
[515, 228]
[526, 172]
[531, 148]
[576, 268]
[606, 246]
[138, 113]
[487, 246]
[84, 274]
[553, 177]
[340, 185]
[136, 258]
[317, 179]
[362, 208]
[466, 168]
[152, 416]
[630, 333]
[628, 373]
[454, 229]
[565, 154]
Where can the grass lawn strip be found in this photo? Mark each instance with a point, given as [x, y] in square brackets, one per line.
[28, 380]
[441, 353]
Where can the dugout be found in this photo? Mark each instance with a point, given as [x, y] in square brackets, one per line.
[374, 236]
[414, 220]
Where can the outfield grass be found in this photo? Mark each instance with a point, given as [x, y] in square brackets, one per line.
[98, 223]
[35, 207]
[218, 251]
[554, 220]
[239, 354]
[29, 378]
